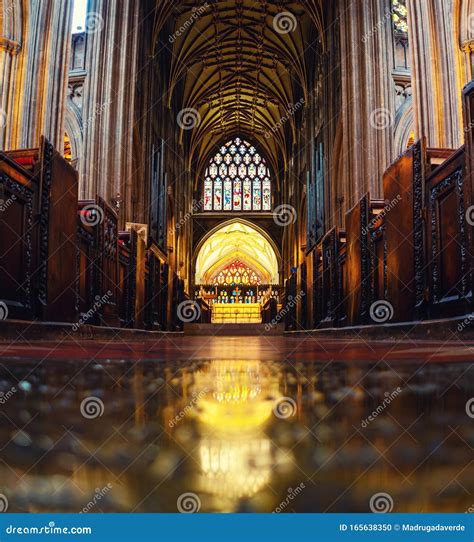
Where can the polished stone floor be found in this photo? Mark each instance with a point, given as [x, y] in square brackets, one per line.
[261, 424]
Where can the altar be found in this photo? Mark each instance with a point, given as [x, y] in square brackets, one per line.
[236, 313]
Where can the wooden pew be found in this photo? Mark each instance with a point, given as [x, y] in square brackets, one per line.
[19, 195]
[449, 219]
[101, 220]
[405, 258]
[127, 277]
[332, 273]
[42, 217]
[358, 269]
[468, 114]
[448, 267]
[57, 237]
[156, 290]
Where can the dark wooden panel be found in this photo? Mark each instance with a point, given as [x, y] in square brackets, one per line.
[85, 257]
[353, 275]
[378, 251]
[468, 109]
[404, 180]
[107, 263]
[333, 260]
[448, 263]
[19, 194]
[127, 277]
[58, 229]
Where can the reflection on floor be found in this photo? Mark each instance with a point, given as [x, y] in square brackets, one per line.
[285, 425]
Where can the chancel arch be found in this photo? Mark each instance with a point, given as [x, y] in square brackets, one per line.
[237, 242]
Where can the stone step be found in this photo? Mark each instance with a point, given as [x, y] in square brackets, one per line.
[240, 330]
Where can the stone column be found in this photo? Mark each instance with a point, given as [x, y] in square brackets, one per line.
[109, 98]
[35, 46]
[437, 83]
[464, 31]
[368, 102]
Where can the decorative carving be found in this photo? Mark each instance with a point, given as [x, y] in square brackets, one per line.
[455, 179]
[418, 197]
[45, 186]
[23, 193]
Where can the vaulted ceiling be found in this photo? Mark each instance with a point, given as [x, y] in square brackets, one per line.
[239, 66]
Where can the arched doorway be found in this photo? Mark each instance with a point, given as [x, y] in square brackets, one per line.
[237, 272]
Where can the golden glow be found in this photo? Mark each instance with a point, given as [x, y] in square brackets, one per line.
[236, 402]
[237, 241]
[237, 313]
[238, 395]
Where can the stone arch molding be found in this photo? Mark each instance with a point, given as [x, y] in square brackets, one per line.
[241, 240]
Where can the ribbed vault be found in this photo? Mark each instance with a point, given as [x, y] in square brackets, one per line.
[240, 64]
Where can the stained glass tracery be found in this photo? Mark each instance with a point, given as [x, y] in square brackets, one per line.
[237, 273]
[237, 179]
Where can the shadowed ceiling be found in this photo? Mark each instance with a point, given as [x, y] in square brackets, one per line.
[240, 68]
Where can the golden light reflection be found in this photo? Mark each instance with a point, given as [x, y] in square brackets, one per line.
[236, 395]
[236, 456]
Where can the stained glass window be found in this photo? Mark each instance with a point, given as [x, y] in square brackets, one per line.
[237, 179]
[399, 15]
[237, 273]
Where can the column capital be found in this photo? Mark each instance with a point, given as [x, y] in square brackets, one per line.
[11, 46]
[468, 46]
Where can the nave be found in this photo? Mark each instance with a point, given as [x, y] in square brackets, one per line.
[236, 255]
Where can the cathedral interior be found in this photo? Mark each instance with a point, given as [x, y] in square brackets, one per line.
[236, 255]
